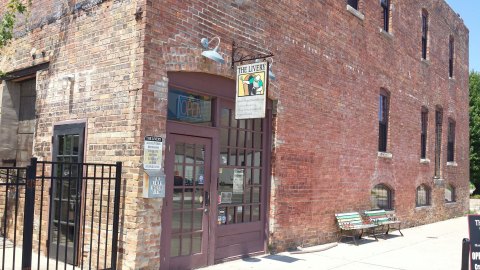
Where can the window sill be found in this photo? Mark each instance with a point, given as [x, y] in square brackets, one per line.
[452, 203]
[452, 164]
[423, 207]
[426, 62]
[385, 33]
[424, 161]
[385, 155]
[356, 13]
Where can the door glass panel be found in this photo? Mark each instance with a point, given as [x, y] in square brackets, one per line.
[199, 155]
[189, 153]
[198, 197]
[242, 153]
[197, 220]
[186, 242]
[175, 246]
[177, 198]
[68, 140]
[188, 198]
[179, 152]
[187, 221]
[176, 221]
[197, 243]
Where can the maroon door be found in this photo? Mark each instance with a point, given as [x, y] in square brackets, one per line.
[186, 230]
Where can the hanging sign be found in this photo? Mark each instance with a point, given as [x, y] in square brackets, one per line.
[474, 229]
[152, 153]
[251, 98]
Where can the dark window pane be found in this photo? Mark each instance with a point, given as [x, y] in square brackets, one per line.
[175, 246]
[353, 3]
[225, 117]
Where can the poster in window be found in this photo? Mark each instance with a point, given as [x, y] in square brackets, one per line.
[251, 85]
[238, 177]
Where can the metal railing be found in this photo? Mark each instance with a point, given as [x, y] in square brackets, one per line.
[70, 215]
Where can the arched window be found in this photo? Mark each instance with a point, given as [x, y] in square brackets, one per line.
[449, 193]
[423, 195]
[381, 197]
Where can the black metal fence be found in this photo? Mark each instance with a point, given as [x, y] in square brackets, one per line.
[67, 215]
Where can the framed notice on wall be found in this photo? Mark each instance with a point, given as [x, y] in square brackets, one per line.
[251, 98]
[152, 153]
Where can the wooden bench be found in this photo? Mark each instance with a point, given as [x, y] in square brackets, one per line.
[352, 225]
[383, 219]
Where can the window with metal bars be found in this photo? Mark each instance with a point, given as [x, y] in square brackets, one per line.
[438, 139]
[451, 141]
[383, 121]
[423, 195]
[424, 33]
[386, 14]
[381, 197]
[423, 136]
[353, 3]
[449, 193]
[451, 49]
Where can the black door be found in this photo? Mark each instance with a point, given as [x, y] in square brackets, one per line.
[66, 191]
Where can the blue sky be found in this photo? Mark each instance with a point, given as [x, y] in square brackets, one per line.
[468, 10]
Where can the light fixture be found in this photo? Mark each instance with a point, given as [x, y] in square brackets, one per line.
[271, 75]
[212, 54]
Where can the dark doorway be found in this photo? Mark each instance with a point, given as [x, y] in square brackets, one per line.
[66, 188]
[188, 206]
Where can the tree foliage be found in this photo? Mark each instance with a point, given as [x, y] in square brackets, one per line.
[475, 130]
[8, 20]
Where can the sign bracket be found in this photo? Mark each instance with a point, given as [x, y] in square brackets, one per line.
[241, 54]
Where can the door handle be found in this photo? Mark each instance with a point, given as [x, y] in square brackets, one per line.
[207, 198]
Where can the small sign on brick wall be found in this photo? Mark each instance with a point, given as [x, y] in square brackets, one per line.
[152, 153]
[153, 184]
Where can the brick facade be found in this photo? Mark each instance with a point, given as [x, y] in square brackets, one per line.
[330, 66]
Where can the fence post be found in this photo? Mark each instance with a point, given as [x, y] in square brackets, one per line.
[465, 253]
[116, 214]
[28, 215]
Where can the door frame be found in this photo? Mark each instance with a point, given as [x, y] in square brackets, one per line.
[61, 129]
[183, 129]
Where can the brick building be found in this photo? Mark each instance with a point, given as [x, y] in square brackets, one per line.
[369, 110]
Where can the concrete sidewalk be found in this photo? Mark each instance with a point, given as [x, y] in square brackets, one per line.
[436, 246]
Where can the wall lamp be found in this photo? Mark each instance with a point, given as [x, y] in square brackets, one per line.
[212, 54]
[271, 75]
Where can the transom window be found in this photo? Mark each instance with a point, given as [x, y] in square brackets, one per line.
[423, 195]
[190, 108]
[449, 193]
[381, 197]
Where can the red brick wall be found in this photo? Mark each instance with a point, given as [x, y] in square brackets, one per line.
[98, 45]
[330, 66]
